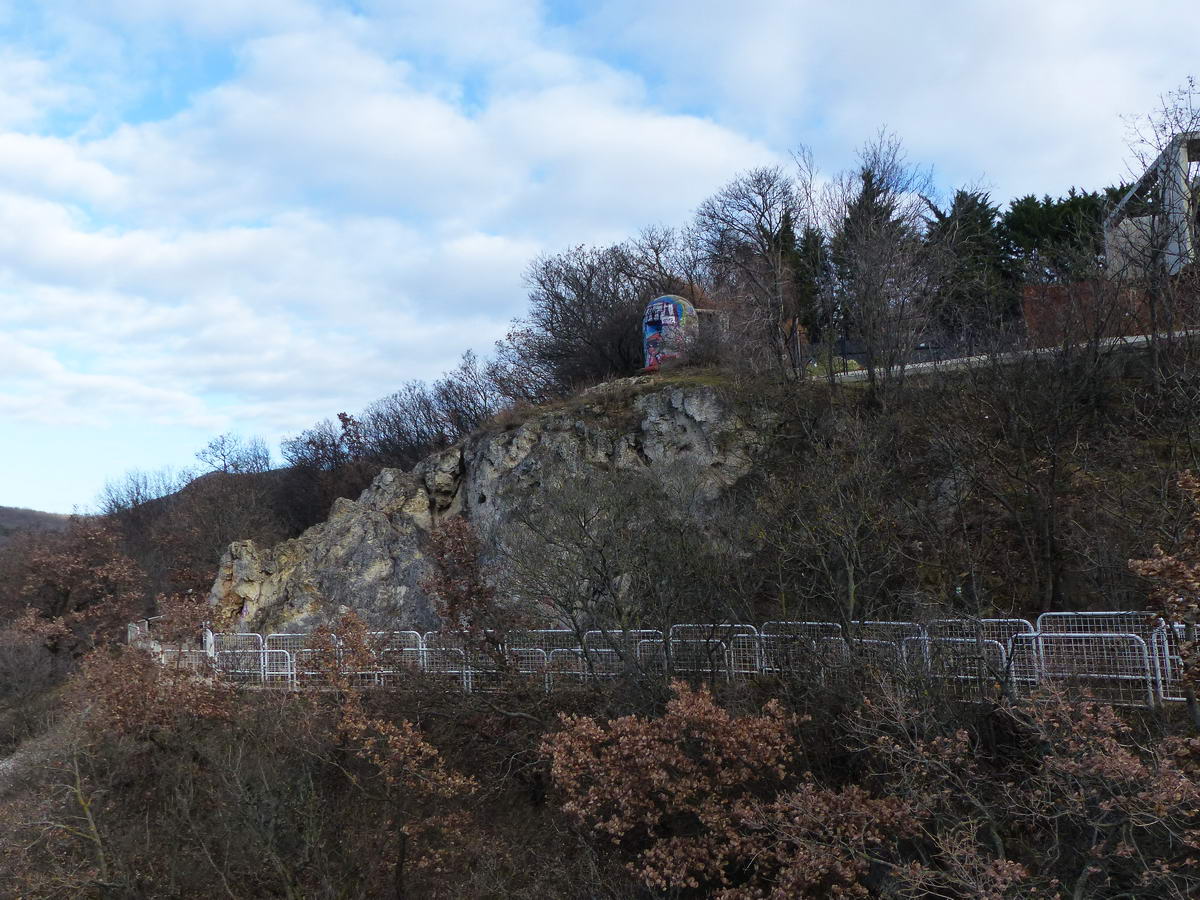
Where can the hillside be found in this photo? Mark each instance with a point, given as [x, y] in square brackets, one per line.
[699, 495]
[370, 554]
[1009, 488]
[16, 519]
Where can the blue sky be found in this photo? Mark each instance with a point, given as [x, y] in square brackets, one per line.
[231, 216]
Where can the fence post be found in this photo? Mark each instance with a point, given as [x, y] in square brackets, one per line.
[1189, 690]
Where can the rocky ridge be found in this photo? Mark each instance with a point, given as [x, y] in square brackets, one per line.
[367, 555]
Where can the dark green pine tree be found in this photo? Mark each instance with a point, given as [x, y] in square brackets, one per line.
[806, 260]
[785, 239]
[790, 323]
[980, 290]
[1058, 240]
[871, 214]
[858, 251]
[812, 279]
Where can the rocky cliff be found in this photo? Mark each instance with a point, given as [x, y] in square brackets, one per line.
[368, 554]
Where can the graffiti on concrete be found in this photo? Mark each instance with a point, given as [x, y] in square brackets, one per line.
[669, 327]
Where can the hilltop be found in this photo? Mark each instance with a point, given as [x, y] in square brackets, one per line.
[15, 519]
[1011, 487]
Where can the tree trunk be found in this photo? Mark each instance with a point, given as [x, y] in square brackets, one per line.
[398, 887]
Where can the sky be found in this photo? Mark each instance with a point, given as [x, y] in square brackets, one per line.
[231, 216]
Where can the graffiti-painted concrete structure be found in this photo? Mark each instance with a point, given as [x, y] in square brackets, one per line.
[670, 327]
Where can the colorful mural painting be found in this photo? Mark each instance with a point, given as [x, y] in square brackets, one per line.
[669, 326]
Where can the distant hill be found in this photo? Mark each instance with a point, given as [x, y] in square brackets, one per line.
[13, 520]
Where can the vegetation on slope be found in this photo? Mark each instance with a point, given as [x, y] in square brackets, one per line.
[15, 520]
[1022, 484]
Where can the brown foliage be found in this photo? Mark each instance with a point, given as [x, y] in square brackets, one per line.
[1049, 799]
[674, 792]
[462, 587]
[183, 618]
[819, 842]
[1177, 584]
[29, 670]
[129, 693]
[81, 578]
[459, 582]
[1177, 575]
[405, 771]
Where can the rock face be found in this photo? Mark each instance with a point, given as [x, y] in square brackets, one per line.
[368, 555]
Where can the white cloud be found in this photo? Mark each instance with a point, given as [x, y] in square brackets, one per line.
[36, 387]
[51, 167]
[602, 164]
[212, 19]
[28, 89]
[1027, 94]
[260, 214]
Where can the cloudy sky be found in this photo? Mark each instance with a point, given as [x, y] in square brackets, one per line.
[242, 216]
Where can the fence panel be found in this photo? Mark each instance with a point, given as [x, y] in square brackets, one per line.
[1149, 626]
[833, 659]
[481, 653]
[839, 660]
[582, 665]
[699, 656]
[710, 632]
[962, 668]
[399, 662]
[745, 655]
[1000, 630]
[546, 639]
[449, 663]
[396, 640]
[1112, 668]
[397, 654]
[624, 643]
[1170, 647]
[652, 655]
[877, 654]
[312, 666]
[895, 632]
[789, 654]
[279, 669]
[290, 642]
[231, 641]
[814, 631]
[1115, 656]
[1139, 622]
[529, 661]
[244, 666]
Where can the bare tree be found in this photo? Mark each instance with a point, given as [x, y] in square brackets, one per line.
[584, 317]
[233, 454]
[831, 525]
[884, 278]
[625, 550]
[465, 398]
[746, 233]
[664, 261]
[401, 428]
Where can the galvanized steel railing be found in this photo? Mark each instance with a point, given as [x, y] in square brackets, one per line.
[1128, 658]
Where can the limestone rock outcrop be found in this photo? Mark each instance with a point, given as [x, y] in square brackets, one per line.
[367, 555]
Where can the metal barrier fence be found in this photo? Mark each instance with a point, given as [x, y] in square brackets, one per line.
[1122, 657]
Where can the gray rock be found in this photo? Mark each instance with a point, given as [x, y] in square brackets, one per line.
[368, 555]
